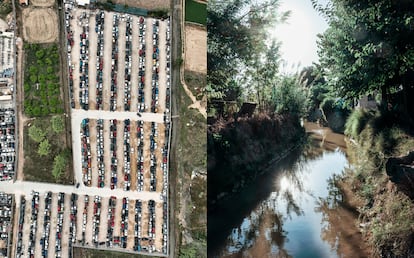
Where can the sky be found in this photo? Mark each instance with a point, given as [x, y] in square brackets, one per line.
[298, 34]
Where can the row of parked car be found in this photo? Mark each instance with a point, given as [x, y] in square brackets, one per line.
[153, 159]
[84, 61]
[111, 221]
[124, 222]
[73, 221]
[44, 240]
[84, 218]
[140, 153]
[141, 68]
[155, 66]
[114, 67]
[59, 226]
[86, 152]
[127, 156]
[6, 204]
[20, 246]
[112, 152]
[7, 144]
[100, 153]
[69, 4]
[128, 63]
[96, 219]
[99, 26]
[137, 228]
[33, 224]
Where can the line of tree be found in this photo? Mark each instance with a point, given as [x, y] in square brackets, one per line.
[369, 48]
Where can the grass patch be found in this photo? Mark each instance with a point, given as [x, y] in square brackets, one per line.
[5, 9]
[158, 13]
[42, 93]
[93, 253]
[39, 168]
[192, 157]
[195, 12]
[196, 82]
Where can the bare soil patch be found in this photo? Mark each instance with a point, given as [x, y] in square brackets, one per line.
[42, 3]
[40, 25]
[195, 48]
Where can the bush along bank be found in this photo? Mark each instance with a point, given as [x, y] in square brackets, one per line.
[240, 149]
[386, 211]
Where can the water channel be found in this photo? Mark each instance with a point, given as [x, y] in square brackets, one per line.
[293, 210]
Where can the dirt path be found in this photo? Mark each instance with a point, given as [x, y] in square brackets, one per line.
[75, 56]
[158, 226]
[148, 64]
[134, 65]
[81, 206]
[107, 48]
[103, 226]
[158, 154]
[197, 104]
[19, 106]
[65, 226]
[147, 153]
[163, 66]
[94, 158]
[27, 223]
[107, 158]
[93, 45]
[40, 228]
[121, 65]
[131, 224]
[53, 224]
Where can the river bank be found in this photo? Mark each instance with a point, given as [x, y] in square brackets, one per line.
[386, 213]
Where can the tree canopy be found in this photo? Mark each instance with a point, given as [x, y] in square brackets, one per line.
[237, 43]
[36, 133]
[368, 46]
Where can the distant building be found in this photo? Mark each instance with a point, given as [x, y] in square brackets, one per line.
[367, 102]
[83, 2]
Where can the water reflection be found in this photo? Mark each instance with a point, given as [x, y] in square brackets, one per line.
[293, 211]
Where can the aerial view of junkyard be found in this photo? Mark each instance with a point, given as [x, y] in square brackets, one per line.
[86, 128]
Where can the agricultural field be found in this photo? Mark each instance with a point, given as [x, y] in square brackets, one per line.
[42, 95]
[195, 12]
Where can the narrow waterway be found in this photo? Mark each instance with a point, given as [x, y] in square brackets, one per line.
[293, 210]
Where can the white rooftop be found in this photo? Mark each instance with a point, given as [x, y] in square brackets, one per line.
[82, 2]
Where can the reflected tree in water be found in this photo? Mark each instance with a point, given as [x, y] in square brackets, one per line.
[337, 225]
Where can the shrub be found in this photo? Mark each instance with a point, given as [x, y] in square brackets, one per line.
[44, 148]
[36, 133]
[357, 121]
[59, 165]
[289, 98]
[58, 125]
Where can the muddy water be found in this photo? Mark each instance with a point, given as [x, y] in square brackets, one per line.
[293, 210]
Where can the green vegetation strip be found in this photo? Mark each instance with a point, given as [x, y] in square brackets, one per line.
[195, 12]
[42, 94]
[93, 253]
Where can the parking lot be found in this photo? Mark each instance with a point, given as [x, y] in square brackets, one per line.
[119, 77]
[51, 222]
[118, 61]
